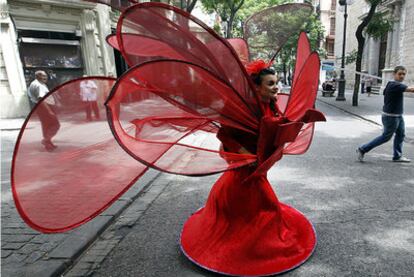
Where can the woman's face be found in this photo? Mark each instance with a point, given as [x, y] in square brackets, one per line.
[268, 88]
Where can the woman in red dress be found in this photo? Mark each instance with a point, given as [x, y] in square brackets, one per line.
[243, 228]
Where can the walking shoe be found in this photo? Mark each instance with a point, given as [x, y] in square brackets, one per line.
[401, 160]
[49, 146]
[360, 155]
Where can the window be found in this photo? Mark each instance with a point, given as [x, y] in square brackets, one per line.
[330, 44]
[333, 5]
[332, 26]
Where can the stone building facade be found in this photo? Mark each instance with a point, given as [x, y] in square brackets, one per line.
[327, 15]
[380, 55]
[64, 38]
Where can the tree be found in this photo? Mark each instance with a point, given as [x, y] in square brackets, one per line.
[188, 5]
[376, 25]
[250, 7]
[227, 10]
[286, 59]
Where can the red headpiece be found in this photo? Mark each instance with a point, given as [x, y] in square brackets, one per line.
[256, 66]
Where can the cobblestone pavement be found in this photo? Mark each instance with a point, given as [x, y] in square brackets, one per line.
[81, 252]
[363, 213]
[93, 257]
[26, 252]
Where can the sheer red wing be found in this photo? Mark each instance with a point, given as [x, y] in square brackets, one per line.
[268, 30]
[58, 189]
[303, 51]
[145, 47]
[178, 103]
[304, 92]
[282, 101]
[302, 142]
[188, 37]
[242, 49]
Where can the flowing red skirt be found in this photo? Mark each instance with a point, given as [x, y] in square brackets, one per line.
[244, 229]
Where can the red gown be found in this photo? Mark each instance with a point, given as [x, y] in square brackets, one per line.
[243, 228]
[184, 80]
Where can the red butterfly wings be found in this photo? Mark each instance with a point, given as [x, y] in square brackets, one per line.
[185, 83]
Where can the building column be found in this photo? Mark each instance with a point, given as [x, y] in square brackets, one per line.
[373, 61]
[14, 101]
[393, 45]
[92, 54]
[104, 22]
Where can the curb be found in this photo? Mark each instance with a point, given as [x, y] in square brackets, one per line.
[351, 113]
[65, 255]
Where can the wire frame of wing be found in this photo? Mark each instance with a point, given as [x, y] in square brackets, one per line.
[145, 28]
[166, 114]
[268, 30]
[59, 188]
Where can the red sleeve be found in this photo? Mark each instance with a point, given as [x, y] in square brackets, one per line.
[230, 144]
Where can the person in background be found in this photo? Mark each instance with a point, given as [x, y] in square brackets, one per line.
[363, 82]
[45, 109]
[392, 117]
[88, 94]
[368, 84]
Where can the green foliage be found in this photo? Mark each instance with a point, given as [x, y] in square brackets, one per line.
[227, 10]
[222, 7]
[286, 57]
[351, 57]
[217, 28]
[252, 6]
[315, 31]
[379, 25]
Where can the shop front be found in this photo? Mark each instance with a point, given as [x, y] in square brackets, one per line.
[66, 39]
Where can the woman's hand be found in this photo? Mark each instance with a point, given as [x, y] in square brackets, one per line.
[244, 151]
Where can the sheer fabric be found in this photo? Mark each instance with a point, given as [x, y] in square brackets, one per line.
[57, 189]
[268, 30]
[185, 85]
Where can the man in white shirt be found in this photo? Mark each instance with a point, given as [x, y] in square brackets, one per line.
[45, 109]
[38, 88]
[88, 94]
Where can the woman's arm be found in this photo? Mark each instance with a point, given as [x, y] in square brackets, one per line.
[230, 144]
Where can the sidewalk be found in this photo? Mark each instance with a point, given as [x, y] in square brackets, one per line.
[25, 251]
[369, 109]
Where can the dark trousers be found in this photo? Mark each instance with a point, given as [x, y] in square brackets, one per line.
[48, 120]
[392, 125]
[89, 107]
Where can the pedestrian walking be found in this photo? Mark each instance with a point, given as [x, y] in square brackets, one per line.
[368, 85]
[46, 109]
[392, 117]
[363, 82]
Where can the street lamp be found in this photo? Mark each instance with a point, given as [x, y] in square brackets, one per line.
[341, 81]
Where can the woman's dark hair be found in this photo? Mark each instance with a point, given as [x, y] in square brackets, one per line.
[257, 78]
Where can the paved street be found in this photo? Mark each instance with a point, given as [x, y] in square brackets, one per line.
[363, 214]
[24, 250]
[370, 108]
